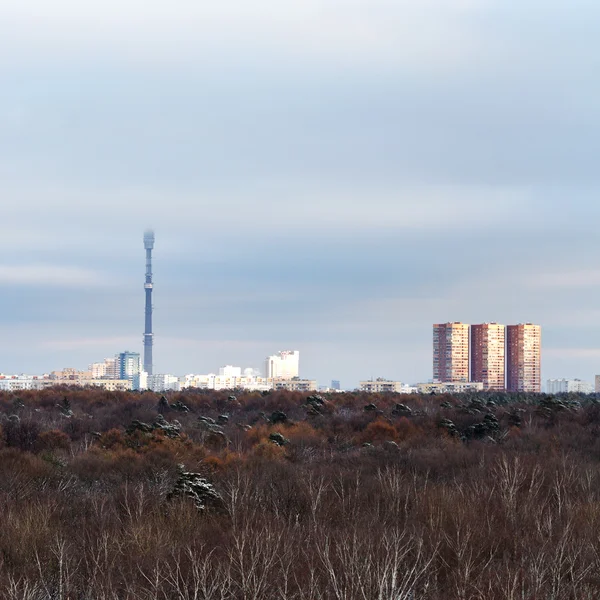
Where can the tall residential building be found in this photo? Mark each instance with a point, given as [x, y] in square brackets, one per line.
[487, 355]
[451, 352]
[284, 365]
[130, 368]
[523, 358]
[109, 369]
[597, 384]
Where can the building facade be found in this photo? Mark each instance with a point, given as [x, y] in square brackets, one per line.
[294, 385]
[283, 365]
[451, 352]
[449, 387]
[109, 369]
[130, 368]
[380, 385]
[567, 386]
[163, 383]
[523, 358]
[212, 381]
[488, 355]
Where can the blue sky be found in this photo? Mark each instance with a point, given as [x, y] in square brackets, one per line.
[332, 176]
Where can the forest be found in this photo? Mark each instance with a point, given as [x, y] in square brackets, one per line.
[205, 495]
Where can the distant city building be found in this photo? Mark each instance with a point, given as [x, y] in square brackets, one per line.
[523, 358]
[13, 383]
[129, 366]
[111, 385]
[294, 385]
[249, 381]
[487, 355]
[230, 371]
[380, 385]
[449, 387]
[451, 352]
[284, 365]
[109, 369]
[69, 374]
[163, 383]
[597, 384]
[566, 386]
[335, 385]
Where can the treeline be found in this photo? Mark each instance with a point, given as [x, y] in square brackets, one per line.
[240, 496]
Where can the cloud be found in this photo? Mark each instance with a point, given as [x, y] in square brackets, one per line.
[571, 278]
[77, 343]
[50, 275]
[348, 31]
[261, 206]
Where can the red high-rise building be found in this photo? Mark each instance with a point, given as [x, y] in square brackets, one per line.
[451, 352]
[487, 355]
[523, 358]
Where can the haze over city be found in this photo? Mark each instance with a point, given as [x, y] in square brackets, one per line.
[323, 179]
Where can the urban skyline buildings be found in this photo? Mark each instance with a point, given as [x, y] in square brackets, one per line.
[283, 365]
[498, 356]
[451, 352]
[130, 367]
[488, 355]
[568, 386]
[523, 358]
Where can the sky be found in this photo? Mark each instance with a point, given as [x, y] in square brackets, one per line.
[331, 176]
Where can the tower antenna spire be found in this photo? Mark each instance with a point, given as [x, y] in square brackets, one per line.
[148, 335]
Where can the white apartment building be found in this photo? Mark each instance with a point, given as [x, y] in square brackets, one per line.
[450, 387]
[212, 381]
[283, 365]
[565, 386]
[230, 371]
[294, 385]
[380, 385]
[13, 383]
[163, 383]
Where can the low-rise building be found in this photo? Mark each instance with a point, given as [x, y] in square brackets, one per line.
[111, 385]
[450, 387]
[212, 381]
[294, 385]
[13, 383]
[566, 386]
[163, 383]
[380, 385]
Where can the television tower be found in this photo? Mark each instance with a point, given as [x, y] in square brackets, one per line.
[148, 335]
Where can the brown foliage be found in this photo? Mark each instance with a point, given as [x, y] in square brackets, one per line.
[481, 512]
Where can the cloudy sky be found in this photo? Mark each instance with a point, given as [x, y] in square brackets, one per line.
[332, 176]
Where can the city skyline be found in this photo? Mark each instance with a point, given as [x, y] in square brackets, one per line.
[499, 357]
[337, 189]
